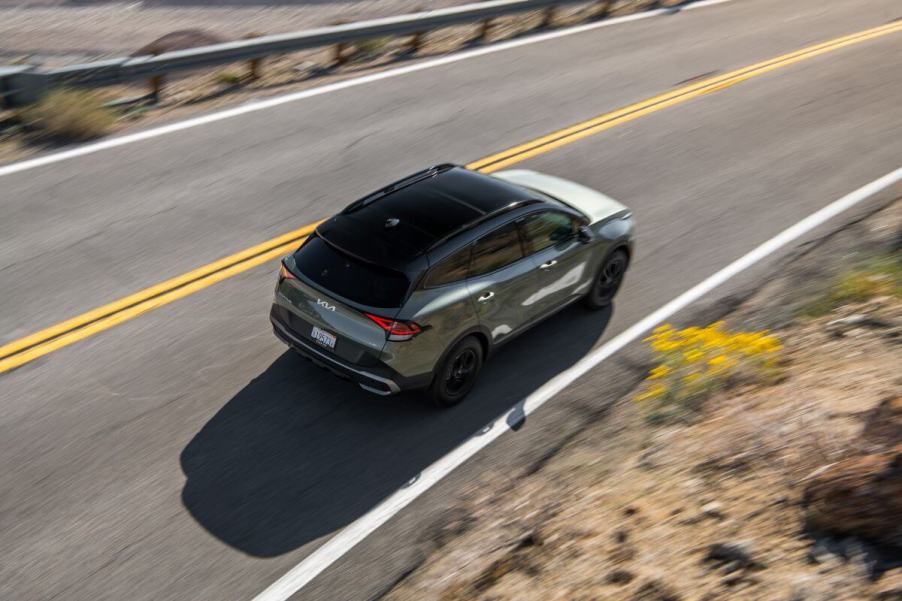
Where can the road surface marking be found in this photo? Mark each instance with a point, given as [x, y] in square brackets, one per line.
[327, 89]
[359, 529]
[23, 350]
[640, 109]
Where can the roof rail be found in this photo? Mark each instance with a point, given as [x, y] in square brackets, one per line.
[428, 172]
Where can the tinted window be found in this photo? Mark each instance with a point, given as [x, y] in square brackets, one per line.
[354, 280]
[494, 251]
[448, 270]
[542, 230]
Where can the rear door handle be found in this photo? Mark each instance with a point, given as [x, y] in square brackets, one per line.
[549, 264]
[486, 297]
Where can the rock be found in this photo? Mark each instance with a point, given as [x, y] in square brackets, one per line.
[713, 510]
[179, 40]
[883, 423]
[889, 587]
[732, 555]
[825, 551]
[855, 324]
[739, 580]
[861, 496]
[655, 590]
[622, 554]
[620, 577]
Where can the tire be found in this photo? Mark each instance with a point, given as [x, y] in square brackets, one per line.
[457, 373]
[608, 280]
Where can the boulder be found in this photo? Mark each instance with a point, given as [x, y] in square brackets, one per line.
[179, 40]
[883, 424]
[861, 496]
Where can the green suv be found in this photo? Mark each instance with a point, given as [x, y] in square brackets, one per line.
[414, 285]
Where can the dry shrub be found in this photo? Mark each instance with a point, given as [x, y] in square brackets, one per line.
[70, 115]
[877, 276]
[372, 47]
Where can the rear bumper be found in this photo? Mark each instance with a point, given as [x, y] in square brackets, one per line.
[384, 384]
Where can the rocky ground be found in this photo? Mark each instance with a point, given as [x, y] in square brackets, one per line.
[780, 492]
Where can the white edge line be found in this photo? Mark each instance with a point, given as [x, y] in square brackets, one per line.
[314, 564]
[334, 87]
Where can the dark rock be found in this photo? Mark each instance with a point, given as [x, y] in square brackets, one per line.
[655, 590]
[738, 554]
[179, 40]
[861, 497]
[883, 424]
[620, 577]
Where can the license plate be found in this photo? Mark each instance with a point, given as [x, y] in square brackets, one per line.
[323, 337]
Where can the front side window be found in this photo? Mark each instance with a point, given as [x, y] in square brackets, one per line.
[496, 250]
[548, 228]
[449, 270]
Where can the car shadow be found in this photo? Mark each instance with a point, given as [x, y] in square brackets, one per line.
[298, 453]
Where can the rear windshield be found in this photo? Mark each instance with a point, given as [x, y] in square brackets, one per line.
[356, 281]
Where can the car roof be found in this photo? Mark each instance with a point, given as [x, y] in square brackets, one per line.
[398, 224]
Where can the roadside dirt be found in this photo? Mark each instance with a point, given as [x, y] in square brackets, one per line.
[56, 32]
[25, 29]
[714, 508]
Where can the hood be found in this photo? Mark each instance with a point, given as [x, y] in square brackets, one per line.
[594, 205]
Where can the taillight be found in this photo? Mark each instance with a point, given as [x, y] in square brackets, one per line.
[396, 330]
[284, 274]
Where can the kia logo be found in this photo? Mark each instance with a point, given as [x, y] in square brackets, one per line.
[324, 304]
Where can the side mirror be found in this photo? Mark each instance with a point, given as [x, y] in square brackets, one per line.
[585, 234]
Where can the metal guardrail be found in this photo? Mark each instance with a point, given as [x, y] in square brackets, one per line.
[22, 85]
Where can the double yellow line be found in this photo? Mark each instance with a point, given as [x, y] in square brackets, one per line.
[23, 350]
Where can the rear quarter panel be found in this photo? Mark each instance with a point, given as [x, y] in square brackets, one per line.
[446, 312]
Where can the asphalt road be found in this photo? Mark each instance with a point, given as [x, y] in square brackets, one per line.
[186, 455]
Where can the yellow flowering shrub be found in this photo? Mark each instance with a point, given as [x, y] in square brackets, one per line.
[693, 362]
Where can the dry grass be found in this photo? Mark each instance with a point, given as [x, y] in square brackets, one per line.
[371, 48]
[229, 78]
[69, 115]
[873, 277]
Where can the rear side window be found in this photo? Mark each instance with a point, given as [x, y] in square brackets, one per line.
[355, 280]
[448, 270]
[545, 229]
[496, 250]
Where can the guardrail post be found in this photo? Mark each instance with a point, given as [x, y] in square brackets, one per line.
[340, 55]
[416, 42]
[604, 8]
[157, 83]
[485, 30]
[548, 19]
[253, 65]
